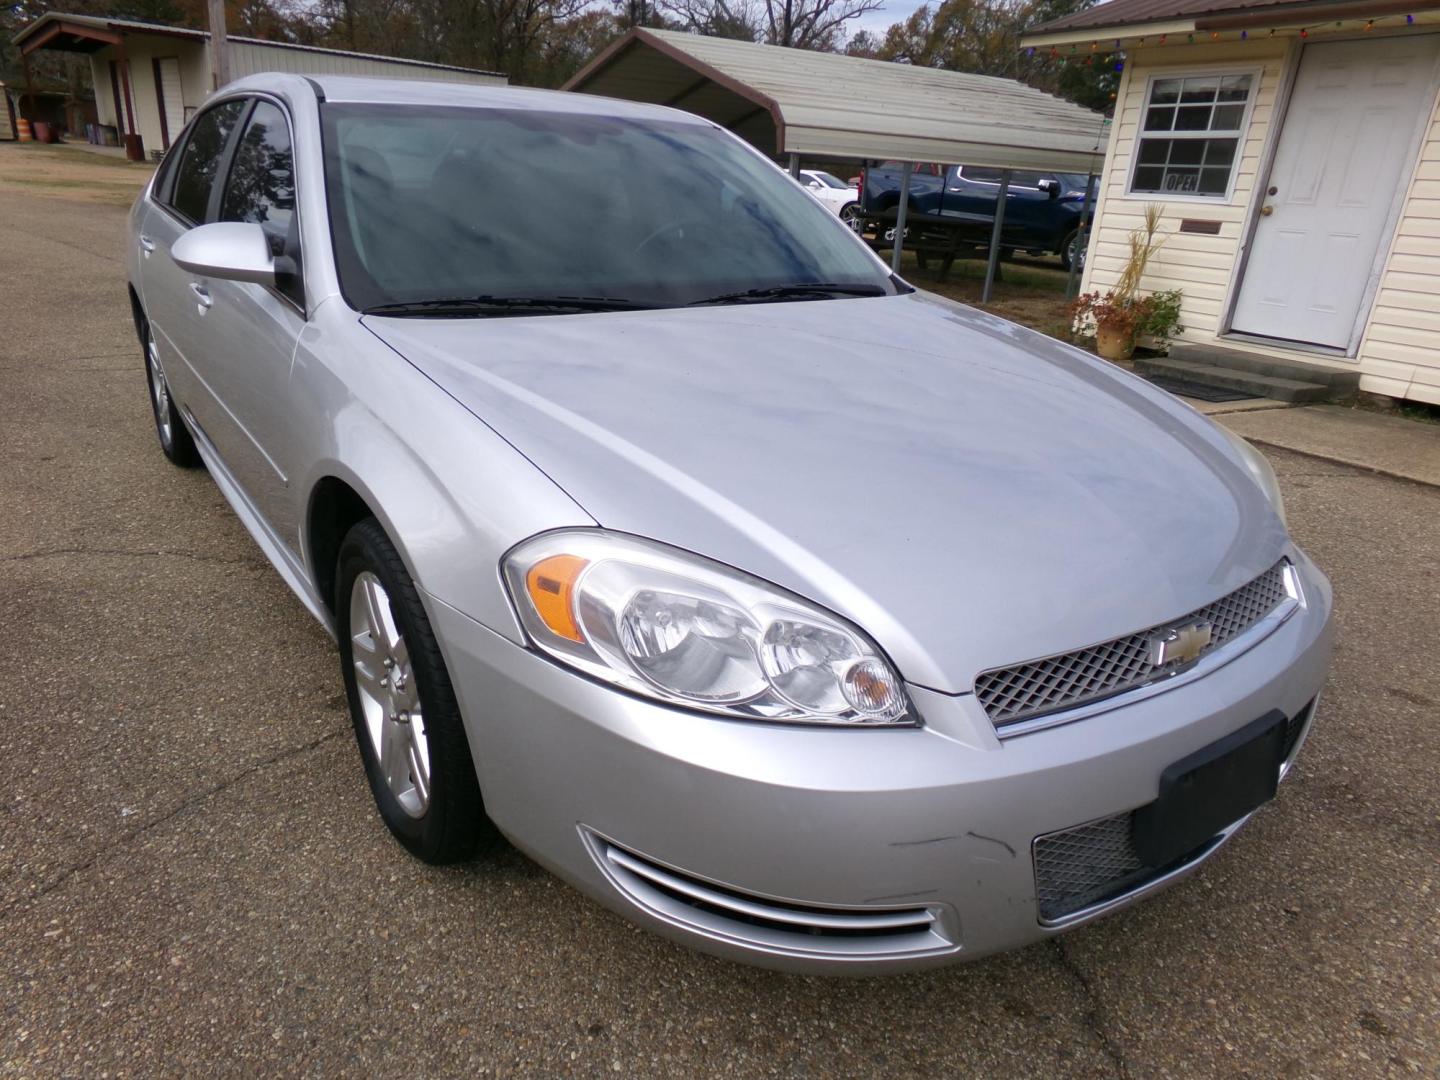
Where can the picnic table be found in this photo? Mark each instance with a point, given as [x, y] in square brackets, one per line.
[943, 236]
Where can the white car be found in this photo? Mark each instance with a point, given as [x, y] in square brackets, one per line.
[843, 199]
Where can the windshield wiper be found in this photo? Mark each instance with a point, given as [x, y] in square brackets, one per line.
[809, 290]
[454, 307]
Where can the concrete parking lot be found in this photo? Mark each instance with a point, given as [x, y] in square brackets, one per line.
[192, 879]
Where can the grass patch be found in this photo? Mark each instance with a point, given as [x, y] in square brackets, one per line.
[1030, 292]
[39, 152]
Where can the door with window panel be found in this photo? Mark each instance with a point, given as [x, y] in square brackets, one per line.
[254, 328]
[177, 302]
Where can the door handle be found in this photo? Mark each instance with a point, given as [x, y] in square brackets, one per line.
[147, 245]
[1266, 211]
[202, 294]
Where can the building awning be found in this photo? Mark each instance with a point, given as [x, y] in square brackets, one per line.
[66, 32]
[1126, 20]
[792, 101]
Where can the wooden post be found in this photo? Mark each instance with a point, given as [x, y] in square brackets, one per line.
[123, 64]
[219, 48]
[29, 86]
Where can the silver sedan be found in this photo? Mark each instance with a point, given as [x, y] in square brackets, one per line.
[796, 614]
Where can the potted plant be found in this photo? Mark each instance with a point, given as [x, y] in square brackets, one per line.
[1118, 317]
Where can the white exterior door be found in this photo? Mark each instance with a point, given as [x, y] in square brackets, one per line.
[1351, 129]
[172, 100]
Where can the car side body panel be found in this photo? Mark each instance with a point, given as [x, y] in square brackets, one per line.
[453, 495]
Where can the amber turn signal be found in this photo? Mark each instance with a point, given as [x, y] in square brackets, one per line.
[551, 585]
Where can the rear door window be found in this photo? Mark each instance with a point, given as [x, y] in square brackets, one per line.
[261, 187]
[200, 160]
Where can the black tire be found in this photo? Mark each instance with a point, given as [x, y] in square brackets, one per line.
[1070, 248]
[453, 826]
[176, 442]
[850, 215]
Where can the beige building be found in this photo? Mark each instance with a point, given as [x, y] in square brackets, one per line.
[1295, 149]
[150, 79]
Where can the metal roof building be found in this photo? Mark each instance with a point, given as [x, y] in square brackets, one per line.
[149, 78]
[792, 101]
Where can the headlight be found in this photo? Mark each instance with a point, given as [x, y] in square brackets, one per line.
[673, 626]
[1259, 468]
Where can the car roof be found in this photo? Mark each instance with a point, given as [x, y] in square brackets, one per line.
[356, 89]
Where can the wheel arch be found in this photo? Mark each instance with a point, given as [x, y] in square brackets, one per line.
[334, 508]
[137, 312]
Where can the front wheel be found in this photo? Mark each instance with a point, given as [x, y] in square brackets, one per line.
[850, 215]
[1072, 251]
[407, 720]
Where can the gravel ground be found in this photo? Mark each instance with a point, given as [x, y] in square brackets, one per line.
[192, 877]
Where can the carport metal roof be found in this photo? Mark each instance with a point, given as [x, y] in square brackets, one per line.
[827, 105]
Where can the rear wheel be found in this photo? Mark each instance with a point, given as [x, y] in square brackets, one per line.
[407, 721]
[176, 442]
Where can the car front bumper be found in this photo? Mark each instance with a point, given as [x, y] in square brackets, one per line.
[840, 851]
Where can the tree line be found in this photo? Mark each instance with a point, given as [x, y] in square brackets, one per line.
[544, 42]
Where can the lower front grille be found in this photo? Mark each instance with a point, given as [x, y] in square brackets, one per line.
[771, 924]
[1078, 867]
[1088, 864]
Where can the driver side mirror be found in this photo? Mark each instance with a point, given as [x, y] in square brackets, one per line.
[228, 250]
[1050, 187]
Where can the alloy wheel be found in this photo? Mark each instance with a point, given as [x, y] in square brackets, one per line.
[389, 697]
[159, 393]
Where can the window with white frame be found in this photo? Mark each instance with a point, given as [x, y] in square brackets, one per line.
[1190, 137]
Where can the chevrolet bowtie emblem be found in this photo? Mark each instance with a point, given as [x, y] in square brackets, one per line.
[1180, 644]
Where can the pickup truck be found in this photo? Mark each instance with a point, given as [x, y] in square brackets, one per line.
[1042, 211]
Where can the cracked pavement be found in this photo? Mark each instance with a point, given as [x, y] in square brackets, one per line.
[192, 877]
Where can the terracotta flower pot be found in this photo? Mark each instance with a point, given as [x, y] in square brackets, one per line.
[1113, 342]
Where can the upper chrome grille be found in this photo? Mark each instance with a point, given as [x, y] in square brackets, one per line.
[1010, 695]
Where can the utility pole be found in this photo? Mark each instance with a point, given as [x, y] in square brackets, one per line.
[219, 49]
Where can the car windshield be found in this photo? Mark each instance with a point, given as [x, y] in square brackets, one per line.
[562, 210]
[829, 181]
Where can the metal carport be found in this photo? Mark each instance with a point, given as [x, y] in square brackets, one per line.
[790, 102]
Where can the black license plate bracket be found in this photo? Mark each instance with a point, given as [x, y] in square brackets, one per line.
[1202, 794]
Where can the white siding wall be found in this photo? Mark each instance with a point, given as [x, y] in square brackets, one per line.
[253, 59]
[1400, 354]
[1197, 264]
[142, 51]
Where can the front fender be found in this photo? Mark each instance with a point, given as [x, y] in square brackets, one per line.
[452, 495]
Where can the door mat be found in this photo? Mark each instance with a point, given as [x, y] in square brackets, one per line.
[1199, 391]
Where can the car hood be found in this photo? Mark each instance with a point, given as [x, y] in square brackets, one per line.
[971, 493]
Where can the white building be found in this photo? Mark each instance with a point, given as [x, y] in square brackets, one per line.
[150, 78]
[1295, 148]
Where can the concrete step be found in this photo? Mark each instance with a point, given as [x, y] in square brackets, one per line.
[1261, 385]
[1343, 380]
